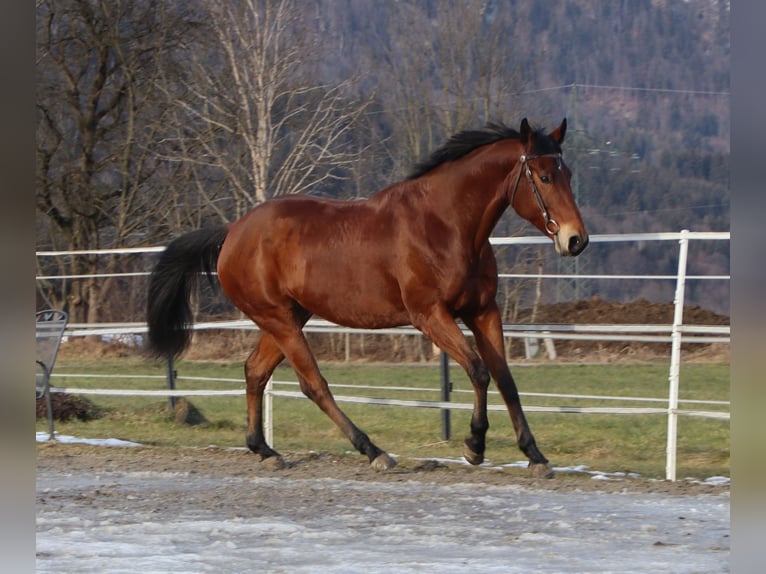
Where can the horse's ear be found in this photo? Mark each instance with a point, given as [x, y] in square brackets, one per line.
[524, 131]
[558, 134]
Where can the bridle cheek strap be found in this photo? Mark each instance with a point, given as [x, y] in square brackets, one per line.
[551, 225]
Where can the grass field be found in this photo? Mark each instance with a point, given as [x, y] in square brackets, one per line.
[628, 443]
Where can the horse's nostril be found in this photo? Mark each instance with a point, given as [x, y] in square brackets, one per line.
[577, 244]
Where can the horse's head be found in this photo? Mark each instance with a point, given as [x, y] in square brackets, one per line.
[540, 189]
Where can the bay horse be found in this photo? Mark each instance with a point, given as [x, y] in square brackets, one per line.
[415, 253]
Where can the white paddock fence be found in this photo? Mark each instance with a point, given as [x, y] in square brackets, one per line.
[675, 334]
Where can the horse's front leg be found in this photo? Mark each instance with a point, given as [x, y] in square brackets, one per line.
[488, 332]
[440, 327]
[475, 445]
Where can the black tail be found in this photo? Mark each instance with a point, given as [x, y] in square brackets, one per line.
[168, 310]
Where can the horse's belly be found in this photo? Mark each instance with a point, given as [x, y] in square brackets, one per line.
[353, 299]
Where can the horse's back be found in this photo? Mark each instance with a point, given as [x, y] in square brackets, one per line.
[303, 227]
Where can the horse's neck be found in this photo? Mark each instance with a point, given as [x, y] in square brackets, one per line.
[469, 193]
[490, 216]
[478, 201]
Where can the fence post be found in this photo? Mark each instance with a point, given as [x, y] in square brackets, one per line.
[675, 358]
[172, 373]
[446, 388]
[268, 415]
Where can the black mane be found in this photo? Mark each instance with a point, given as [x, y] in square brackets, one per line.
[464, 142]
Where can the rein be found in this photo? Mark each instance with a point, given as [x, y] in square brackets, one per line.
[551, 225]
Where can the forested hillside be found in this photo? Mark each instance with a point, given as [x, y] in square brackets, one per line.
[644, 84]
[157, 117]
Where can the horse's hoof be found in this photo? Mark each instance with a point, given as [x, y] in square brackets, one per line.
[472, 457]
[541, 470]
[274, 463]
[383, 462]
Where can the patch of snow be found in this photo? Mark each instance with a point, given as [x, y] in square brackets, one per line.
[45, 437]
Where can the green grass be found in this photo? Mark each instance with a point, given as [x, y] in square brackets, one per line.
[629, 443]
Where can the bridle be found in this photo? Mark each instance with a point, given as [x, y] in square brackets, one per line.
[551, 225]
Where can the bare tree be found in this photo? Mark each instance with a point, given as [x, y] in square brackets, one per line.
[254, 113]
[448, 69]
[96, 120]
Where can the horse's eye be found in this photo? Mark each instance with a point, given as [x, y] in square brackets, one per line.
[545, 179]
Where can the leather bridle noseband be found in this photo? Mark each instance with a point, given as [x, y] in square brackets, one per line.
[551, 225]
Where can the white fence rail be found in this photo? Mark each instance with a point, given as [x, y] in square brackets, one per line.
[675, 334]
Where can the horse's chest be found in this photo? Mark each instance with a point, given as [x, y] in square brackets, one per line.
[474, 286]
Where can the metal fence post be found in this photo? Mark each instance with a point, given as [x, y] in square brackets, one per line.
[172, 373]
[446, 388]
[675, 357]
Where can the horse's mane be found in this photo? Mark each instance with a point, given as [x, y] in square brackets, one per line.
[464, 142]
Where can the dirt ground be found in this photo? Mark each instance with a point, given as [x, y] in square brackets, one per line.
[226, 463]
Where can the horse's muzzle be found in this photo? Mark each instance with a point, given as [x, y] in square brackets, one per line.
[577, 243]
[569, 242]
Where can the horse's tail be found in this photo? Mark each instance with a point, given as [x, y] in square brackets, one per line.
[169, 313]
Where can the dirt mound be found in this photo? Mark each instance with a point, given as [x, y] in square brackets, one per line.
[185, 413]
[66, 407]
[639, 312]
[596, 311]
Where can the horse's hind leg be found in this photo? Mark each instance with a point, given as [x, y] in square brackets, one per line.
[293, 344]
[258, 369]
